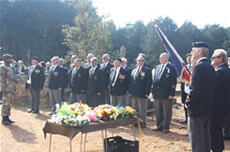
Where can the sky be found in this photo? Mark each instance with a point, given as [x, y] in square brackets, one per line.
[199, 12]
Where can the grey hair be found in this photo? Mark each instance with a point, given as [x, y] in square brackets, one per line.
[94, 59]
[56, 58]
[106, 55]
[165, 54]
[20, 61]
[123, 59]
[77, 59]
[141, 54]
[90, 55]
[205, 51]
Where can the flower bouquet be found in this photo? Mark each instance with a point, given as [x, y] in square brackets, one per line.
[72, 115]
[126, 112]
[107, 112]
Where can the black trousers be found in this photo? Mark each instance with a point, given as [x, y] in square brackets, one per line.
[217, 139]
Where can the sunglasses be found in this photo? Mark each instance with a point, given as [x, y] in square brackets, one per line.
[215, 57]
[141, 60]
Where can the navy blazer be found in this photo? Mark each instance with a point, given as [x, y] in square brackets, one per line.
[106, 73]
[202, 89]
[56, 79]
[222, 91]
[79, 82]
[121, 84]
[165, 86]
[140, 86]
[37, 78]
[95, 83]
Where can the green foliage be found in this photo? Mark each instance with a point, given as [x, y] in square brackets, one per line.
[33, 28]
[45, 28]
[89, 34]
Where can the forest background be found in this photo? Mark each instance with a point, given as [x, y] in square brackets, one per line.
[47, 28]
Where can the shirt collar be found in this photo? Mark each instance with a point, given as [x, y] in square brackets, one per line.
[118, 68]
[201, 59]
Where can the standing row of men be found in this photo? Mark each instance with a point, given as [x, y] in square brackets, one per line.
[107, 83]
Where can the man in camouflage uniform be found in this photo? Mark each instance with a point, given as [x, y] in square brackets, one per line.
[7, 87]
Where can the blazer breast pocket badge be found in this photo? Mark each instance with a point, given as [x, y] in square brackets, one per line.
[37, 71]
[95, 77]
[79, 75]
[168, 70]
[142, 75]
[121, 76]
[55, 73]
[167, 75]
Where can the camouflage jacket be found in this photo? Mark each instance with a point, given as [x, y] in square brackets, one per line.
[7, 81]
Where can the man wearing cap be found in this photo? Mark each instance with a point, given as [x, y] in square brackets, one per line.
[221, 99]
[7, 87]
[35, 82]
[139, 88]
[200, 106]
[163, 91]
[118, 84]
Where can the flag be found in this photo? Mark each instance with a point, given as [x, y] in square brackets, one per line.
[178, 62]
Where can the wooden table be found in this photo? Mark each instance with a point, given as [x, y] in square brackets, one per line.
[71, 132]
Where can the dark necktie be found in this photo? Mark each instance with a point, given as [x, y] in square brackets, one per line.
[159, 73]
[75, 72]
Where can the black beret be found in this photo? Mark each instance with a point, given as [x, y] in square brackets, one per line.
[7, 56]
[34, 58]
[119, 59]
[200, 44]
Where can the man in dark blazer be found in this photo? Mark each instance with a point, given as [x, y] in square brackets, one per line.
[105, 67]
[65, 77]
[55, 84]
[35, 82]
[129, 70]
[200, 106]
[163, 91]
[118, 84]
[95, 84]
[221, 108]
[78, 83]
[87, 66]
[139, 88]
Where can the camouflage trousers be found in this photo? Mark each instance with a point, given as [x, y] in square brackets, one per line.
[8, 100]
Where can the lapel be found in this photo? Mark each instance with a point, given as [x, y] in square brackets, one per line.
[134, 71]
[31, 71]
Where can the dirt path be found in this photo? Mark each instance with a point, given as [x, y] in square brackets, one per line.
[26, 135]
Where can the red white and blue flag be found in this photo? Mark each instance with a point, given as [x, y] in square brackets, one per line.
[178, 62]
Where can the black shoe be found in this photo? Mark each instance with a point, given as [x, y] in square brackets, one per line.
[10, 120]
[30, 110]
[5, 121]
[183, 121]
[51, 113]
[35, 112]
[157, 129]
